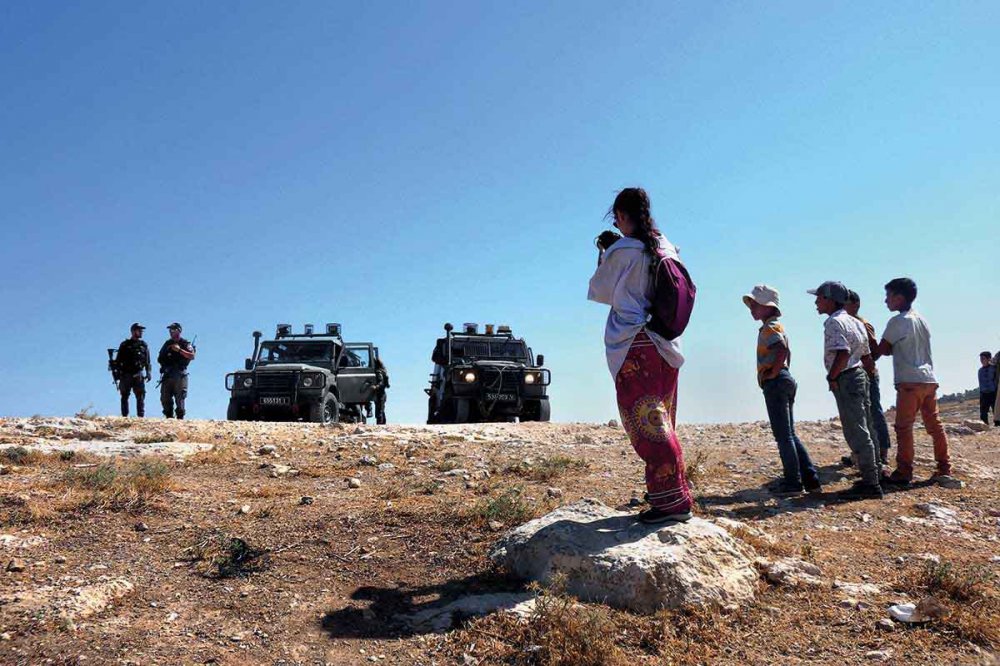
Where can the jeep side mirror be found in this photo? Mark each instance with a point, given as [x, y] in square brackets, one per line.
[249, 364]
[541, 360]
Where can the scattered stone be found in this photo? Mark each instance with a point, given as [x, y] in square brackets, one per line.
[613, 423]
[938, 513]
[635, 501]
[856, 589]
[879, 655]
[456, 472]
[354, 482]
[4, 470]
[929, 557]
[12, 542]
[59, 559]
[283, 470]
[306, 500]
[386, 467]
[445, 617]
[554, 493]
[369, 460]
[495, 525]
[471, 485]
[268, 450]
[605, 555]
[17, 564]
[141, 527]
[928, 608]
[245, 509]
[792, 572]
[885, 624]
[6, 636]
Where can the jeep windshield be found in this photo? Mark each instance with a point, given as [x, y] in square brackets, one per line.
[296, 352]
[471, 349]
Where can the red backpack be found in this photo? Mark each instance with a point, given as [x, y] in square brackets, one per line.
[673, 297]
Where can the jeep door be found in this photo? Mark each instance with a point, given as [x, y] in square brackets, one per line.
[356, 372]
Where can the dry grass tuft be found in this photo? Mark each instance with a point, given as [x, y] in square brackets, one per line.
[18, 455]
[547, 468]
[221, 556]
[129, 487]
[971, 594]
[149, 438]
[509, 508]
[219, 454]
[696, 467]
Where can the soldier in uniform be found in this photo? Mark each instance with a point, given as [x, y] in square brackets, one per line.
[175, 355]
[381, 384]
[134, 370]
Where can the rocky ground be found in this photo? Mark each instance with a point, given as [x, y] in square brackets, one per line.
[155, 542]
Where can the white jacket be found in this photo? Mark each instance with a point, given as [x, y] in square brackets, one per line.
[624, 282]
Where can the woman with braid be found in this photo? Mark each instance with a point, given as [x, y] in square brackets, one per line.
[644, 365]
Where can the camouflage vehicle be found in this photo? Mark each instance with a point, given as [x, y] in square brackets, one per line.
[305, 376]
[489, 376]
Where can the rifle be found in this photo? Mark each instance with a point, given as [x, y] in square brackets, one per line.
[113, 367]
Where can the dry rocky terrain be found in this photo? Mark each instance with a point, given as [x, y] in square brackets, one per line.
[128, 541]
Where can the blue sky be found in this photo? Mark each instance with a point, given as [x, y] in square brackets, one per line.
[393, 166]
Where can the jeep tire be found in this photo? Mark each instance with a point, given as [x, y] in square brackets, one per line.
[327, 411]
[233, 411]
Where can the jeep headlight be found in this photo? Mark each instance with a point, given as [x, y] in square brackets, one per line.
[468, 377]
[530, 378]
[247, 381]
[312, 380]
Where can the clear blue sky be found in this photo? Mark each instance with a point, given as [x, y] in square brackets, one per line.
[393, 166]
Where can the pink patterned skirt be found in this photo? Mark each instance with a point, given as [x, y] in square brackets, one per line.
[647, 401]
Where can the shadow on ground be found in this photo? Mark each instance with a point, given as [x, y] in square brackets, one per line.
[378, 609]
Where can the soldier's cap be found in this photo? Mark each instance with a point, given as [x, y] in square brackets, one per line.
[173, 326]
[137, 325]
[831, 289]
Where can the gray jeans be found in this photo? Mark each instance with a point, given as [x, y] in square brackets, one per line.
[854, 405]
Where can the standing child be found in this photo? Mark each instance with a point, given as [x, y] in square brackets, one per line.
[643, 364]
[775, 380]
[845, 352]
[907, 339]
[880, 434]
[987, 386]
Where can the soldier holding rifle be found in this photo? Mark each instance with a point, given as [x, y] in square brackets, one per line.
[131, 369]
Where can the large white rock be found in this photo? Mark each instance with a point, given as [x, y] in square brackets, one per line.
[607, 556]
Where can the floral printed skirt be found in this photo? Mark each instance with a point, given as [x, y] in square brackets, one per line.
[647, 401]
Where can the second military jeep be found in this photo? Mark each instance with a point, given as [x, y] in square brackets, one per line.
[491, 376]
[306, 376]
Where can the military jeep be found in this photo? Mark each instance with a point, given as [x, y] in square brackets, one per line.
[305, 376]
[490, 376]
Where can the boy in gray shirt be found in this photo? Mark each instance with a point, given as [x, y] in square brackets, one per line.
[845, 353]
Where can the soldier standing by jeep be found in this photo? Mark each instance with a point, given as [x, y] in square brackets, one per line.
[175, 355]
[381, 384]
[134, 370]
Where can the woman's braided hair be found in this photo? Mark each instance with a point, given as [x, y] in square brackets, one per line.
[634, 203]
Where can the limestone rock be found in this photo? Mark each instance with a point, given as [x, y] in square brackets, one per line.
[66, 604]
[606, 555]
[976, 426]
[791, 571]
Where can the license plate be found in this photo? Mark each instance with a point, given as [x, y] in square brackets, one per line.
[275, 400]
[501, 397]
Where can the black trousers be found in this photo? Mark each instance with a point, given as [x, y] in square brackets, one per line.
[380, 408]
[173, 393]
[128, 385]
[986, 401]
